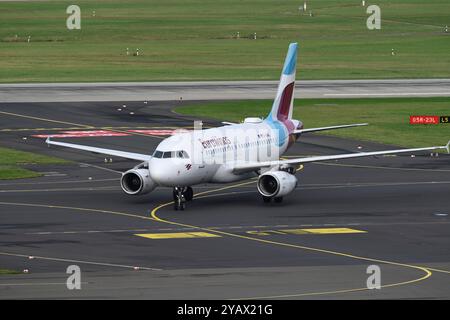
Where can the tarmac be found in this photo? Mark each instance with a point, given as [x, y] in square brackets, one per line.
[343, 217]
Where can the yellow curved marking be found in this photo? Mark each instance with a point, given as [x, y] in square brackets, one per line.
[76, 209]
[438, 270]
[427, 272]
[154, 217]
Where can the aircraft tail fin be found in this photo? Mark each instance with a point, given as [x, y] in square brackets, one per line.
[283, 103]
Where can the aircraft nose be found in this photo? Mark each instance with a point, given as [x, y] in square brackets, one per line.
[162, 171]
[157, 171]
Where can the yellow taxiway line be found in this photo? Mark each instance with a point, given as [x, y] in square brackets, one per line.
[426, 271]
[177, 235]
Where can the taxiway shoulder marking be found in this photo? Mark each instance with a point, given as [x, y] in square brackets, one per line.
[327, 230]
[178, 235]
[305, 231]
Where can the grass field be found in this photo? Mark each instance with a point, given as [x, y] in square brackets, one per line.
[6, 271]
[12, 160]
[388, 117]
[193, 39]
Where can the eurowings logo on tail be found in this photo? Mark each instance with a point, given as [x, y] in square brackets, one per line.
[283, 103]
[280, 116]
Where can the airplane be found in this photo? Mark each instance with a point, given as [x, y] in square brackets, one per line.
[233, 152]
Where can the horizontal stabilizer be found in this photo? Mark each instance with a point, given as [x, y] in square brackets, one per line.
[330, 128]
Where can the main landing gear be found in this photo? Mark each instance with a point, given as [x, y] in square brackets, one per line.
[180, 196]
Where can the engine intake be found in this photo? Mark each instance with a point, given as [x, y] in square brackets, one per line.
[137, 181]
[276, 183]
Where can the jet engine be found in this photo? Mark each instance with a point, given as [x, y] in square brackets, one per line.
[273, 184]
[137, 181]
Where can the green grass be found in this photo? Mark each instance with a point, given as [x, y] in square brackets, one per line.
[195, 40]
[12, 160]
[7, 271]
[388, 117]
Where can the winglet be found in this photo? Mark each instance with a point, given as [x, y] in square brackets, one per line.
[448, 147]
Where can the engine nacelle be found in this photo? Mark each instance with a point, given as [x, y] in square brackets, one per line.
[276, 183]
[137, 181]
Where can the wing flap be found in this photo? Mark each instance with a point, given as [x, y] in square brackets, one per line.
[257, 165]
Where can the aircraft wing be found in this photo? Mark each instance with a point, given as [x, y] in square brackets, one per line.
[248, 166]
[330, 128]
[122, 154]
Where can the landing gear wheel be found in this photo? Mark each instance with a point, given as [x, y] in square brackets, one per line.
[179, 199]
[278, 199]
[266, 199]
[188, 194]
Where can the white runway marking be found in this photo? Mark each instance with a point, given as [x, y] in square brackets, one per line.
[76, 261]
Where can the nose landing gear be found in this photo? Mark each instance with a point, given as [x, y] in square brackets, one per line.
[180, 196]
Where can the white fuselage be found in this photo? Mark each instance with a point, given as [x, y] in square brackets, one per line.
[202, 156]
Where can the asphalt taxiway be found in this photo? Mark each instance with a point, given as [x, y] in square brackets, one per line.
[223, 90]
[343, 217]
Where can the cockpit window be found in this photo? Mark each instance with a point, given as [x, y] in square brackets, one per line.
[182, 154]
[157, 154]
[171, 154]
